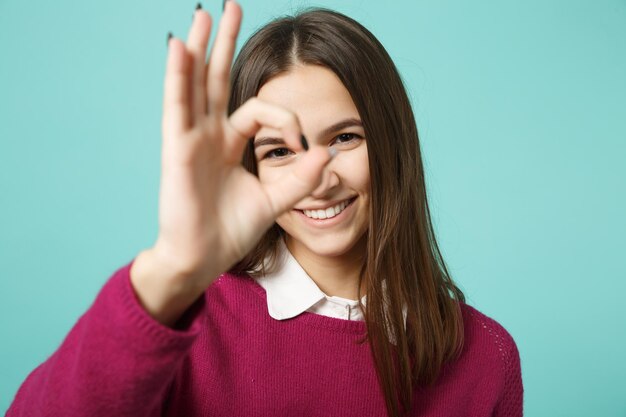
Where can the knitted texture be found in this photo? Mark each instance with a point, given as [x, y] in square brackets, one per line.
[231, 358]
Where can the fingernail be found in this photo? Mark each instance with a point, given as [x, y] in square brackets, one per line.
[332, 152]
[224, 5]
[169, 36]
[304, 143]
[198, 7]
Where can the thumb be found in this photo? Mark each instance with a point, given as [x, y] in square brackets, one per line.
[305, 176]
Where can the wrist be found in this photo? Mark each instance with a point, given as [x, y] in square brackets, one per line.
[163, 290]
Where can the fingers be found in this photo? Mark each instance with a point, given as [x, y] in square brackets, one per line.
[307, 172]
[300, 182]
[176, 112]
[221, 58]
[197, 42]
[186, 86]
[250, 117]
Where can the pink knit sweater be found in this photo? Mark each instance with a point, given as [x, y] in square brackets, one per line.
[230, 358]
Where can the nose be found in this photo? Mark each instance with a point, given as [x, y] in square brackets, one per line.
[330, 181]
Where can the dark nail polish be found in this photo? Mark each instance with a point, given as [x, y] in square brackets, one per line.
[169, 37]
[198, 7]
[224, 5]
[304, 143]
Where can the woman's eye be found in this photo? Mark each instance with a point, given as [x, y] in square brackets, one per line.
[277, 153]
[346, 138]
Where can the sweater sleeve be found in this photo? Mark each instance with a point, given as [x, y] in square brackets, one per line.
[116, 360]
[512, 400]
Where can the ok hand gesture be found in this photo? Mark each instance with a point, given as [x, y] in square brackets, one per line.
[211, 210]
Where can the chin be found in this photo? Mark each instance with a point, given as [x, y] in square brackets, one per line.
[329, 245]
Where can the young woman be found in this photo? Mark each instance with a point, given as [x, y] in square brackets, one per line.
[305, 281]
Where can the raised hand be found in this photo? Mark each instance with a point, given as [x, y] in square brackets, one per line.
[211, 210]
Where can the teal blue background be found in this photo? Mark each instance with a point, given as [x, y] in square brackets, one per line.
[521, 108]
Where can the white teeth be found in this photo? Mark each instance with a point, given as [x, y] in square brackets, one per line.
[328, 213]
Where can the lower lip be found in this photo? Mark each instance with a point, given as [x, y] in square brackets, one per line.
[328, 222]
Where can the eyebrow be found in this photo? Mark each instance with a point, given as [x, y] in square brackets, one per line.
[350, 122]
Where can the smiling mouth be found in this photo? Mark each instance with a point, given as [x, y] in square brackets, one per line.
[330, 212]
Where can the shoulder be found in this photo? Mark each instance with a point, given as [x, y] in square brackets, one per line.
[486, 336]
[234, 291]
[229, 281]
[485, 326]
[492, 348]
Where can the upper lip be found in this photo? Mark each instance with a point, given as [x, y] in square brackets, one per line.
[327, 205]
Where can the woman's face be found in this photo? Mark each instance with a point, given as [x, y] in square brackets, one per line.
[332, 221]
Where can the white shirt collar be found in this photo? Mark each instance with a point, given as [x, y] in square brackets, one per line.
[291, 291]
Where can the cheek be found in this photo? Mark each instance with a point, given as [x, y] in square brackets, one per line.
[364, 179]
[360, 173]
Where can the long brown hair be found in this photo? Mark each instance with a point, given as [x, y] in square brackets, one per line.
[401, 246]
